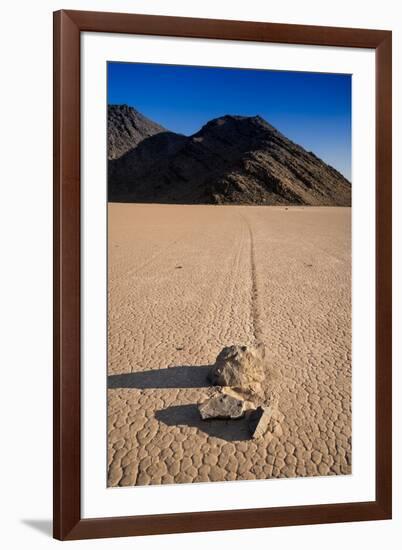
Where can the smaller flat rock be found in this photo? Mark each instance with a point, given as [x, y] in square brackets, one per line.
[250, 398]
[259, 421]
[222, 406]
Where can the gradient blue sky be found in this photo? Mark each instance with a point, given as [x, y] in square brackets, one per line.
[312, 109]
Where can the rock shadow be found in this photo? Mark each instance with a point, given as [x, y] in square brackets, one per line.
[172, 377]
[188, 415]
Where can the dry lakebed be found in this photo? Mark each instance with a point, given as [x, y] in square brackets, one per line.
[186, 281]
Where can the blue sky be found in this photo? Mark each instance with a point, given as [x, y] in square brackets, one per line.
[312, 109]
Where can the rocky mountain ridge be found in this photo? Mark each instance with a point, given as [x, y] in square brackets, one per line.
[127, 127]
[231, 160]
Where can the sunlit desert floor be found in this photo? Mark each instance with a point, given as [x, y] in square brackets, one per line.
[185, 281]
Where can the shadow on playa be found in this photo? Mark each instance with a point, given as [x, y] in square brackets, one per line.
[182, 415]
[188, 415]
[171, 377]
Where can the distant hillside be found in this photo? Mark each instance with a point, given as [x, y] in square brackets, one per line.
[231, 160]
[126, 128]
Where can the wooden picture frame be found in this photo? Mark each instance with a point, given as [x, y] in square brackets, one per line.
[68, 523]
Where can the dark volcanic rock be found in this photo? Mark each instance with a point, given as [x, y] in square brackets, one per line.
[126, 128]
[259, 421]
[231, 160]
[265, 421]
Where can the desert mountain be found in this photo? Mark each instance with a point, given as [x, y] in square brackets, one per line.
[126, 128]
[231, 160]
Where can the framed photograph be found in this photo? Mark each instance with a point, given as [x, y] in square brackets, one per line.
[222, 268]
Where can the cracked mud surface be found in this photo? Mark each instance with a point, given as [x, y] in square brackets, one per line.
[186, 281]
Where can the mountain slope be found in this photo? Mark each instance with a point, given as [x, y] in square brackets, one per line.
[231, 160]
[127, 127]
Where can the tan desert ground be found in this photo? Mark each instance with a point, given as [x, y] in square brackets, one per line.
[185, 281]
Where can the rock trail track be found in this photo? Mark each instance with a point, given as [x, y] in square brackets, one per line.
[186, 281]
